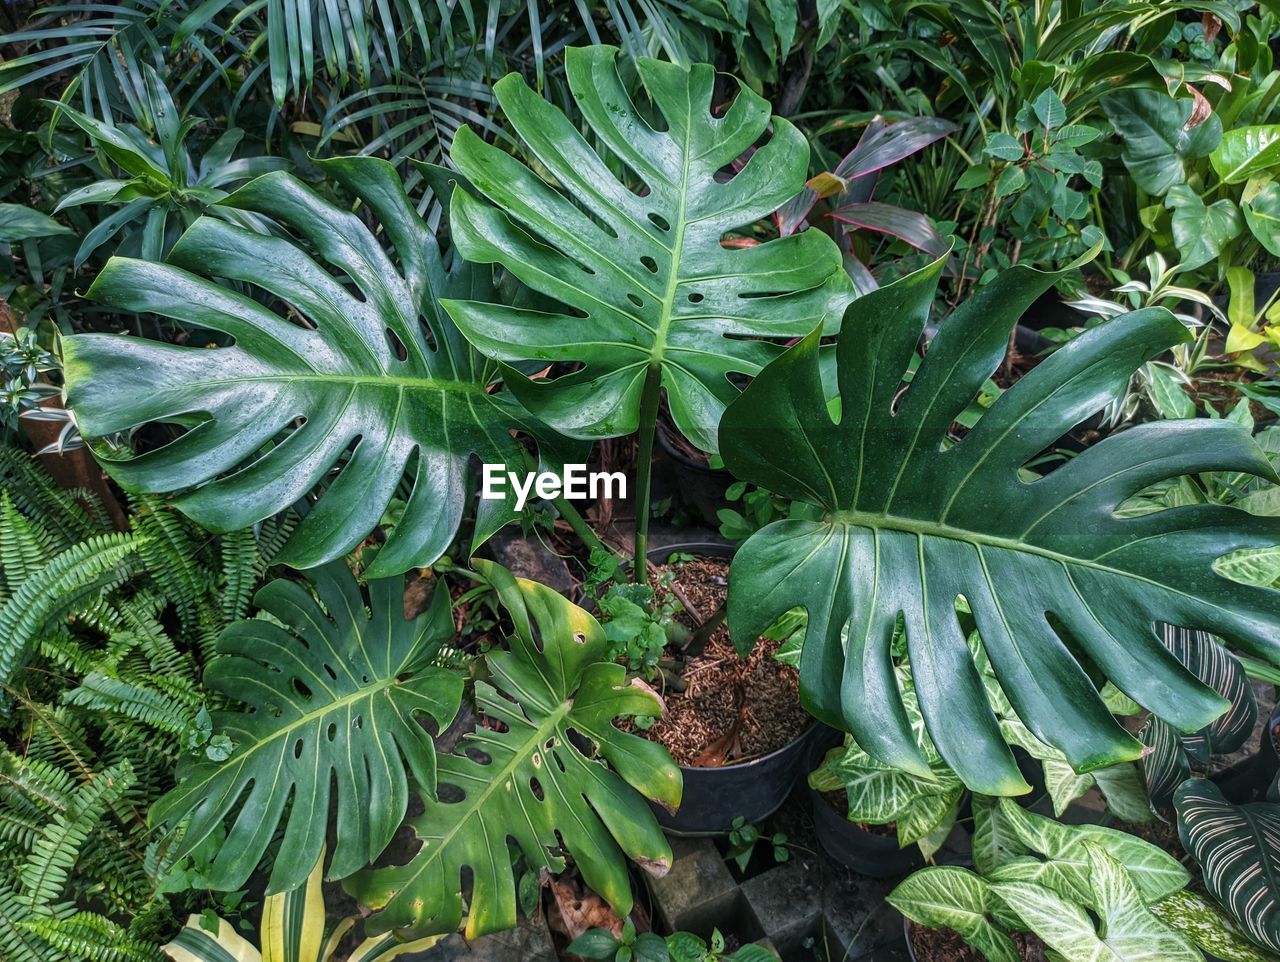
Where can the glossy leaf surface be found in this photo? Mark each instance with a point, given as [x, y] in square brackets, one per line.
[360, 385]
[912, 522]
[1238, 850]
[634, 267]
[541, 780]
[333, 700]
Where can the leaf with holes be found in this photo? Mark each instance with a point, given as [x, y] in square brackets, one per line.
[549, 770]
[634, 267]
[912, 521]
[1238, 850]
[334, 697]
[376, 385]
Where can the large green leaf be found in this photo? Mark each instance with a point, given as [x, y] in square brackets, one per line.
[1155, 139]
[354, 388]
[1125, 931]
[541, 780]
[1238, 850]
[634, 267]
[1246, 152]
[334, 696]
[954, 898]
[1201, 231]
[912, 522]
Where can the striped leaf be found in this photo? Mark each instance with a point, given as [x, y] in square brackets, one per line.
[1238, 850]
[333, 695]
[550, 771]
[1209, 661]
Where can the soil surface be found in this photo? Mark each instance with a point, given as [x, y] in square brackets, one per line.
[732, 709]
[943, 945]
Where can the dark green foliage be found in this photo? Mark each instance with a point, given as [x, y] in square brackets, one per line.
[104, 639]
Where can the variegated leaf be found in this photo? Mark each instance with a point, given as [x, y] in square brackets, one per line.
[957, 899]
[1204, 922]
[1238, 850]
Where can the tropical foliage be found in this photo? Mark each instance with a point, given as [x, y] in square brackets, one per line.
[288, 285]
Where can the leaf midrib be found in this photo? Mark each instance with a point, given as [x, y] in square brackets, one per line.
[375, 380]
[887, 522]
[667, 307]
[312, 717]
[517, 759]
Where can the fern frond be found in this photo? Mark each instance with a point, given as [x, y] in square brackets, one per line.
[24, 546]
[154, 708]
[93, 938]
[57, 588]
[34, 786]
[241, 561]
[17, 943]
[44, 873]
[39, 498]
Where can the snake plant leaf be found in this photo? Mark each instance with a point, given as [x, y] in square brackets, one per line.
[333, 699]
[634, 266]
[912, 522]
[541, 780]
[1238, 850]
[362, 385]
[954, 898]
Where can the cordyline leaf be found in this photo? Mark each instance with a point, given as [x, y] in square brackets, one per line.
[369, 391]
[641, 273]
[542, 780]
[912, 523]
[1238, 850]
[332, 694]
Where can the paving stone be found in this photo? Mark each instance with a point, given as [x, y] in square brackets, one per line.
[787, 901]
[858, 916]
[699, 883]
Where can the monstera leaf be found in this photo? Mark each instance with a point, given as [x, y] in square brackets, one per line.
[640, 284]
[333, 696]
[541, 779]
[1238, 850]
[913, 522]
[349, 393]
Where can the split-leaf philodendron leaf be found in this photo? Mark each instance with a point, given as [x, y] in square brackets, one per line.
[363, 382]
[636, 265]
[334, 696]
[542, 780]
[912, 522]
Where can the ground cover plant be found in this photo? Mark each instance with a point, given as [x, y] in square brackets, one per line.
[959, 319]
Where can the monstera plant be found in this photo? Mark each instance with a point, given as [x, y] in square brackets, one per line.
[333, 692]
[541, 779]
[343, 378]
[643, 295]
[913, 523]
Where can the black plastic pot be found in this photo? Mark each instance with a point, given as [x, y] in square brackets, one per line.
[867, 853]
[700, 487]
[714, 797]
